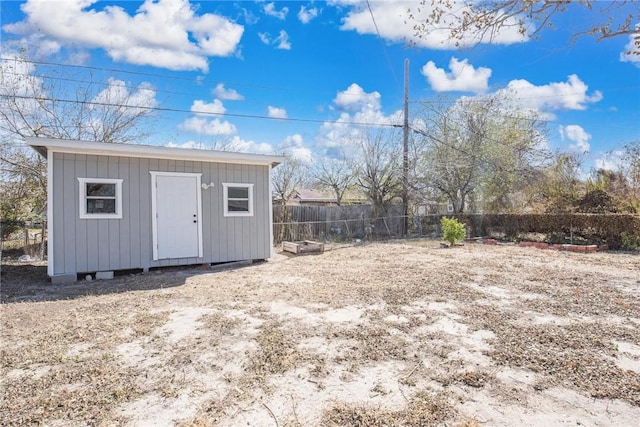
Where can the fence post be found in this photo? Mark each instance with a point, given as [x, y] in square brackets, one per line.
[418, 220]
[384, 220]
[42, 231]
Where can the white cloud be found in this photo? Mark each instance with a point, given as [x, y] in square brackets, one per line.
[81, 57]
[611, 161]
[570, 95]
[277, 113]
[202, 126]
[631, 51]
[249, 17]
[463, 77]
[294, 146]
[360, 112]
[201, 107]
[265, 38]
[188, 144]
[163, 33]
[306, 15]
[577, 136]
[233, 144]
[294, 140]
[117, 93]
[28, 95]
[282, 41]
[270, 9]
[355, 98]
[396, 24]
[19, 79]
[227, 94]
[41, 45]
[240, 145]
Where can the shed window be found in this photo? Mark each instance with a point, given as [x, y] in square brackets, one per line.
[100, 198]
[238, 199]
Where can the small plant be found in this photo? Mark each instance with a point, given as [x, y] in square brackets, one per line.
[630, 242]
[452, 230]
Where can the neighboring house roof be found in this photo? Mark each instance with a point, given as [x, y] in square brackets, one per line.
[308, 195]
[41, 145]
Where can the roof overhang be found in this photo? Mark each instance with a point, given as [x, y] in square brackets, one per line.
[47, 145]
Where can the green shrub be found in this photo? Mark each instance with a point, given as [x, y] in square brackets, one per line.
[597, 229]
[630, 242]
[10, 226]
[452, 230]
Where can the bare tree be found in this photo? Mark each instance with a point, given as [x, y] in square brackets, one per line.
[559, 186]
[621, 177]
[37, 102]
[480, 153]
[483, 20]
[334, 175]
[631, 167]
[21, 195]
[453, 159]
[286, 178]
[378, 170]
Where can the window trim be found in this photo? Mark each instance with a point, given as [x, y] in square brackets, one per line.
[83, 198]
[225, 192]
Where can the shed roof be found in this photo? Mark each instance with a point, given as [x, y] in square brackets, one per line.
[44, 145]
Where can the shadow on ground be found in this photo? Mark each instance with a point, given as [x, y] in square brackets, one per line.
[23, 282]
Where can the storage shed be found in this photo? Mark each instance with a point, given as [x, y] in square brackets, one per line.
[122, 206]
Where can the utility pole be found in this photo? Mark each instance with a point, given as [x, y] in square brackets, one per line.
[405, 152]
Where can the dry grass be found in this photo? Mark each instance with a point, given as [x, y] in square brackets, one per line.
[383, 334]
[421, 410]
[276, 354]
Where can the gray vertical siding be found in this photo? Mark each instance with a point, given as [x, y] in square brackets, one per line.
[81, 227]
[87, 245]
[123, 245]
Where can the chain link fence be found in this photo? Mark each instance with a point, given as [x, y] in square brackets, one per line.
[25, 240]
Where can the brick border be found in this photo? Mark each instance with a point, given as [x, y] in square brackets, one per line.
[561, 247]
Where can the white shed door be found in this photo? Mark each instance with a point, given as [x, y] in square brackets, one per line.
[177, 230]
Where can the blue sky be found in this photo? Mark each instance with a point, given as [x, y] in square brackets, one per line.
[296, 76]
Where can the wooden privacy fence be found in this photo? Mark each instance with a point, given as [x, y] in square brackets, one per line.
[295, 223]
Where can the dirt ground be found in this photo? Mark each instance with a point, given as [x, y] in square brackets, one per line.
[393, 334]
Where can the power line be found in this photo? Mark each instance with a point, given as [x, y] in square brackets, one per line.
[242, 84]
[422, 102]
[508, 116]
[384, 48]
[131, 88]
[203, 113]
[471, 100]
[196, 80]
[97, 83]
